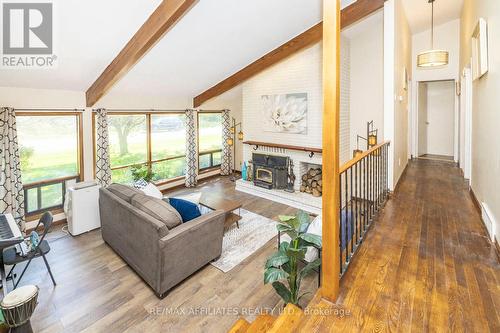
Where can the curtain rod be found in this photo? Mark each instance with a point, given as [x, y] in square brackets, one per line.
[50, 109]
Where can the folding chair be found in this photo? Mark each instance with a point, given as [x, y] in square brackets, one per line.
[11, 257]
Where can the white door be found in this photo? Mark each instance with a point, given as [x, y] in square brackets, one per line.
[441, 118]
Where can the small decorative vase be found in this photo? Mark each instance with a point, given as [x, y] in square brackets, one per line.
[244, 171]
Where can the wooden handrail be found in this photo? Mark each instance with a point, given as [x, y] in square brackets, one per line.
[355, 160]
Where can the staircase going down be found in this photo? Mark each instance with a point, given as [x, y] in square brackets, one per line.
[288, 321]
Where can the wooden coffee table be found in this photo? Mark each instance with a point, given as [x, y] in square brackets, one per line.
[228, 206]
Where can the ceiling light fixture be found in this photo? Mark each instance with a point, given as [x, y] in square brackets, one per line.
[432, 58]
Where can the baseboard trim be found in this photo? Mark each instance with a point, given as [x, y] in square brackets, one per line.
[403, 174]
[31, 226]
[497, 248]
[477, 205]
[476, 202]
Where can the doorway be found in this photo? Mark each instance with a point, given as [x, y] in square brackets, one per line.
[436, 120]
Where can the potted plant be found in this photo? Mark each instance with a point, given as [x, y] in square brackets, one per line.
[284, 264]
[142, 172]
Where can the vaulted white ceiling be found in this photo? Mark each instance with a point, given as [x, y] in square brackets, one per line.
[212, 41]
[418, 13]
[88, 35]
[216, 39]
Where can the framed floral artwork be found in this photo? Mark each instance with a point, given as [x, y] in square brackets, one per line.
[285, 113]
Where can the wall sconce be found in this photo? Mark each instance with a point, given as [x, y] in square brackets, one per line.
[371, 140]
[230, 141]
[357, 153]
[240, 136]
[371, 134]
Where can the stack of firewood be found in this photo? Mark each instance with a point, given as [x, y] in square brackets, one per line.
[312, 183]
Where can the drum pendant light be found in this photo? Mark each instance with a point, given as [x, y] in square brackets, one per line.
[432, 58]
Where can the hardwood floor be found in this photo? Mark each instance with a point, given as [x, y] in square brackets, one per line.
[426, 265]
[98, 292]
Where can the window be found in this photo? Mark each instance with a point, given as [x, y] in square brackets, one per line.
[50, 153]
[209, 140]
[128, 145]
[156, 141]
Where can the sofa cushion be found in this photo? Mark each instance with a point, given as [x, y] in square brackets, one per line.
[124, 192]
[188, 210]
[158, 209]
[152, 191]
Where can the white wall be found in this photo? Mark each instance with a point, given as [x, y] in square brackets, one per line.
[446, 37]
[397, 57]
[403, 49]
[301, 73]
[366, 84]
[485, 110]
[440, 117]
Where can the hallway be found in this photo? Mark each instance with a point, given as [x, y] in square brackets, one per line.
[426, 265]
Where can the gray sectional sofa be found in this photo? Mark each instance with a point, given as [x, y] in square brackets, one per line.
[150, 238]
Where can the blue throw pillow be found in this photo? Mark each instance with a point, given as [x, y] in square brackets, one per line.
[187, 209]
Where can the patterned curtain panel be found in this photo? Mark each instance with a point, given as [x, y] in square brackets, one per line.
[11, 186]
[226, 148]
[191, 149]
[102, 164]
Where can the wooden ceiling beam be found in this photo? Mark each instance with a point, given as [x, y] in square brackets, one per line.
[305, 39]
[349, 15]
[168, 13]
[359, 10]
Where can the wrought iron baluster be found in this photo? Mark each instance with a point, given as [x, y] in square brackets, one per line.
[341, 231]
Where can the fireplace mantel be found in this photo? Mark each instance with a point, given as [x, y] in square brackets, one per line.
[310, 150]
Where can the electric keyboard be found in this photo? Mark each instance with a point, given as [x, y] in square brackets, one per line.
[9, 231]
[10, 235]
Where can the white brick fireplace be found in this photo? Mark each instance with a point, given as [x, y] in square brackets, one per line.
[302, 162]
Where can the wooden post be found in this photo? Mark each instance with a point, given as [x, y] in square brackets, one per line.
[331, 141]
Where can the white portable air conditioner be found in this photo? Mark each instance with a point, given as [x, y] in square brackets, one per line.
[82, 209]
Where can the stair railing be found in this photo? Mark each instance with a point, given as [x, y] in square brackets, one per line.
[363, 191]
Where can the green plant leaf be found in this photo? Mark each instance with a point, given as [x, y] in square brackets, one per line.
[296, 253]
[311, 238]
[287, 268]
[273, 274]
[292, 233]
[277, 259]
[282, 290]
[285, 218]
[284, 246]
[303, 218]
[283, 227]
[309, 268]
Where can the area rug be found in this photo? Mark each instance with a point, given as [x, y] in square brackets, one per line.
[240, 243]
